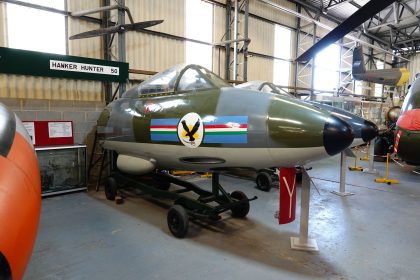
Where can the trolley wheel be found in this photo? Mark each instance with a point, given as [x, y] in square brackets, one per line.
[162, 184]
[242, 209]
[264, 181]
[178, 221]
[110, 188]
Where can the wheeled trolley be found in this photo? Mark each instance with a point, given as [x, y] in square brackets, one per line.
[207, 206]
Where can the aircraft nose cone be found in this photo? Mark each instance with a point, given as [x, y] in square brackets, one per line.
[338, 135]
[369, 131]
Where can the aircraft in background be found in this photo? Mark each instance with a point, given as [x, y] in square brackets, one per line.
[363, 130]
[188, 118]
[20, 196]
[407, 138]
[392, 77]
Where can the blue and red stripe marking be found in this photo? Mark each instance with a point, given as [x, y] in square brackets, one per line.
[217, 130]
[164, 130]
[226, 130]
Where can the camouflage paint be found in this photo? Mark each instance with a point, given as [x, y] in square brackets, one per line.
[280, 131]
[129, 119]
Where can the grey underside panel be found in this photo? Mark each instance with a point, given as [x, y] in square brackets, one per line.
[169, 156]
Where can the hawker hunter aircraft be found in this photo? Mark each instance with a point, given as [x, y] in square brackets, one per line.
[20, 196]
[363, 130]
[188, 118]
[407, 141]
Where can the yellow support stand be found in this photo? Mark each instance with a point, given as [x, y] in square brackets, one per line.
[366, 158]
[206, 175]
[181, 172]
[355, 167]
[386, 180]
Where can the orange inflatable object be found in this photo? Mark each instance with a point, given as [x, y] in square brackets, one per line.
[20, 196]
[410, 120]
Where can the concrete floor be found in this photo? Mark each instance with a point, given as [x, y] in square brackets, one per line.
[374, 234]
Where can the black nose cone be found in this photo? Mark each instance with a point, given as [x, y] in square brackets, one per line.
[338, 135]
[369, 131]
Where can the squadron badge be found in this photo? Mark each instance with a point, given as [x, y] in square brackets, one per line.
[191, 130]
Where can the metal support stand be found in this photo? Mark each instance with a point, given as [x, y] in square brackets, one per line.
[233, 37]
[303, 242]
[371, 169]
[343, 165]
[215, 184]
[121, 42]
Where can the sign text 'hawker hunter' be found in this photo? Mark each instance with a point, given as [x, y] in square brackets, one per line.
[15, 61]
[83, 67]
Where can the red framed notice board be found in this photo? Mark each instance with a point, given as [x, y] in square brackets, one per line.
[50, 133]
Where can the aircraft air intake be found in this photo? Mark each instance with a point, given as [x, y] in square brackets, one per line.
[338, 135]
[369, 131]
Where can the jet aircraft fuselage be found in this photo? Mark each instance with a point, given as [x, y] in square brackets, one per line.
[363, 130]
[189, 118]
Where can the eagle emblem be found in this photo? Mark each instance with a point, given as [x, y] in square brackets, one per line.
[191, 130]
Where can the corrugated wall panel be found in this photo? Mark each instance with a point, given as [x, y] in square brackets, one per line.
[89, 47]
[414, 67]
[3, 24]
[156, 53]
[31, 87]
[149, 52]
[262, 36]
[219, 62]
[321, 32]
[260, 69]
[265, 11]
[172, 12]
[219, 22]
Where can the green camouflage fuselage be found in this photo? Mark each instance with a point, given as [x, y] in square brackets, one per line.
[241, 129]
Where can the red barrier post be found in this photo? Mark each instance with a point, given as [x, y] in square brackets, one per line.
[287, 204]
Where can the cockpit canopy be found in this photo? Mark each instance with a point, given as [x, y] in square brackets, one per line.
[264, 87]
[179, 78]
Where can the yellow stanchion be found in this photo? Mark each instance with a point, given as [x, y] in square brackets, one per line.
[386, 180]
[181, 172]
[206, 175]
[355, 167]
[366, 158]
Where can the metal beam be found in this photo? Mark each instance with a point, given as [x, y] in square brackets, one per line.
[322, 25]
[346, 26]
[228, 16]
[121, 42]
[333, 4]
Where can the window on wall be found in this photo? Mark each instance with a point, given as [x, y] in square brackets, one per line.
[36, 30]
[378, 87]
[281, 68]
[199, 26]
[327, 65]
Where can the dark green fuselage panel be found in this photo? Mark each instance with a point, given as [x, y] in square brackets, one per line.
[273, 121]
